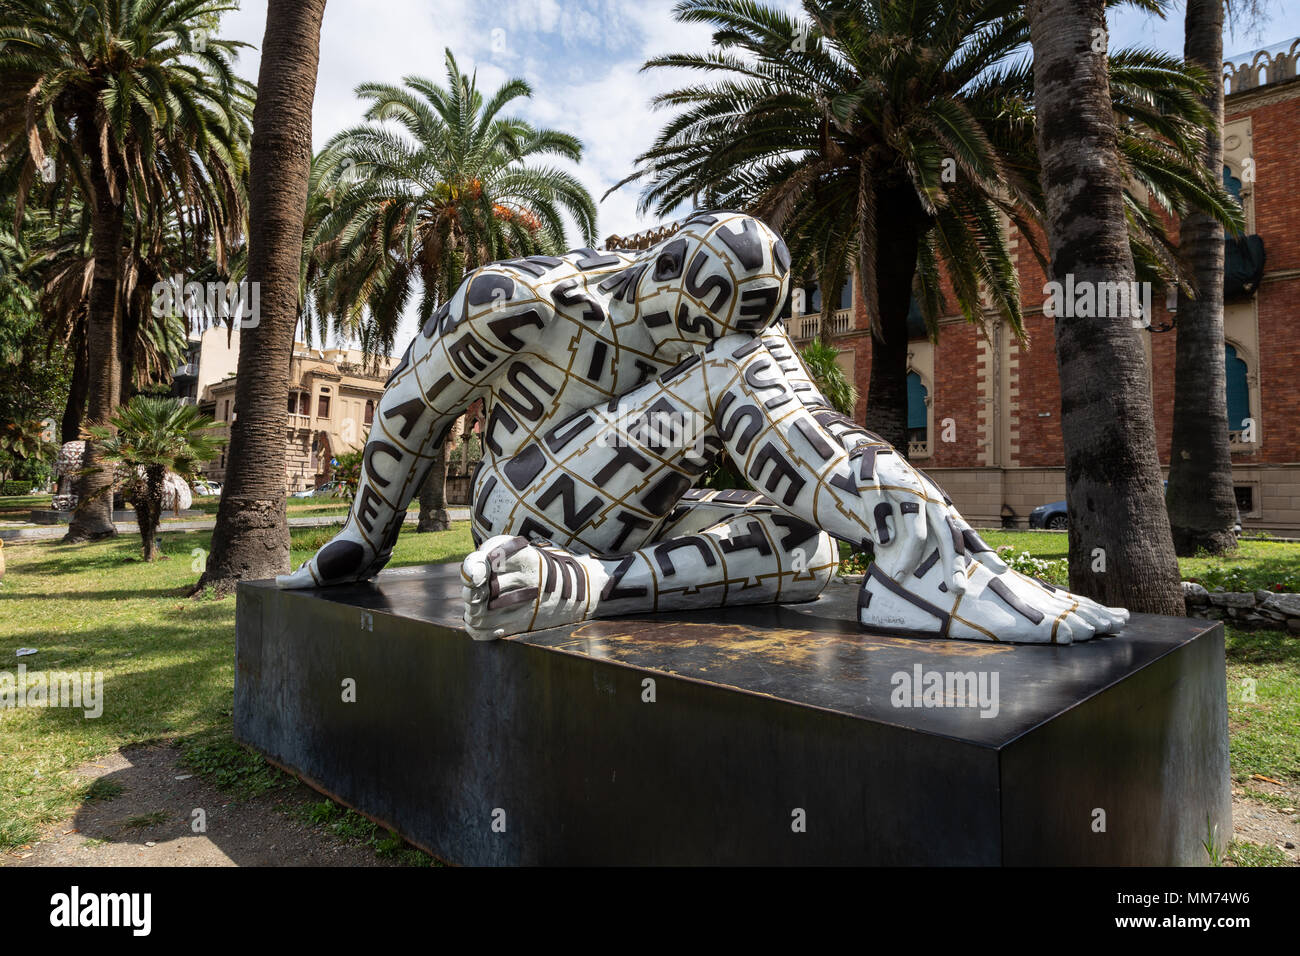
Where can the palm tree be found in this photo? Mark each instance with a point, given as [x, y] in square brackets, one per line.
[896, 139]
[1202, 503]
[1121, 551]
[149, 437]
[251, 538]
[459, 186]
[134, 105]
[22, 442]
[60, 268]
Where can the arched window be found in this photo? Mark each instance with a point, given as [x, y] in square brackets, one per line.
[1238, 390]
[1231, 183]
[917, 412]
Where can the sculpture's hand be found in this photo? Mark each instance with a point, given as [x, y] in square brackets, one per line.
[924, 525]
[900, 548]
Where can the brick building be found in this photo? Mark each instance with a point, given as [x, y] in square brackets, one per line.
[984, 411]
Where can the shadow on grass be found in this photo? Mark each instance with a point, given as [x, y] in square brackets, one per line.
[1262, 647]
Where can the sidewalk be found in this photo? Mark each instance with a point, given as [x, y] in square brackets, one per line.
[24, 532]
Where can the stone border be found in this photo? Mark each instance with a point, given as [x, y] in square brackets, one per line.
[1250, 609]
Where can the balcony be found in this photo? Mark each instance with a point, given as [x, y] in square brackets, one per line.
[802, 328]
[187, 370]
[297, 422]
[1236, 442]
[918, 449]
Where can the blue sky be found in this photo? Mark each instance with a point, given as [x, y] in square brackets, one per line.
[582, 58]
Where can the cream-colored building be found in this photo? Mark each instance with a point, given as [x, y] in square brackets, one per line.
[211, 357]
[333, 394]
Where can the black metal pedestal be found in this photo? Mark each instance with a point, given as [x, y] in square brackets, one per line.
[758, 735]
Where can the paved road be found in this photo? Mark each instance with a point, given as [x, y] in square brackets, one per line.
[46, 532]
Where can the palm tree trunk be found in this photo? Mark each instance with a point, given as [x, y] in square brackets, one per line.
[899, 211]
[148, 510]
[75, 409]
[1202, 504]
[433, 493]
[126, 352]
[1121, 551]
[251, 538]
[93, 517]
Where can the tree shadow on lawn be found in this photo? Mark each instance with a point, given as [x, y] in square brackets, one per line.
[1263, 647]
[124, 595]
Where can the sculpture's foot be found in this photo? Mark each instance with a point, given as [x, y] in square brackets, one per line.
[512, 586]
[998, 605]
[344, 560]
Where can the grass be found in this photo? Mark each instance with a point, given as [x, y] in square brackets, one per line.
[19, 507]
[167, 662]
[1256, 565]
[350, 825]
[298, 507]
[1245, 853]
[168, 667]
[146, 820]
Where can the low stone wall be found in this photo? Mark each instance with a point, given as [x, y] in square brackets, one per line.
[1244, 608]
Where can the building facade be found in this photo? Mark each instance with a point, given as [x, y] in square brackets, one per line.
[333, 394]
[984, 409]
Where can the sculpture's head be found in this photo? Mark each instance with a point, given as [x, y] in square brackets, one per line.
[721, 273]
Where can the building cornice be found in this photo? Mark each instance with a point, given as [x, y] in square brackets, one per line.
[1258, 96]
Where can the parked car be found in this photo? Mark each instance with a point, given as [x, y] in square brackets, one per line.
[1052, 516]
[205, 488]
[331, 489]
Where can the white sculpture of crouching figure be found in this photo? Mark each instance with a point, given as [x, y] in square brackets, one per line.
[614, 380]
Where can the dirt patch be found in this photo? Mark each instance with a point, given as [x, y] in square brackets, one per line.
[1268, 814]
[143, 814]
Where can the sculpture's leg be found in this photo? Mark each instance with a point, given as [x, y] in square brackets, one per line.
[997, 604]
[738, 556]
[422, 400]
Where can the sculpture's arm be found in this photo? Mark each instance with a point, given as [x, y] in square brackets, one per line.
[447, 366]
[818, 465]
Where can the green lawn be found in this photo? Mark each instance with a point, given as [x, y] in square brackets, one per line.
[298, 507]
[19, 507]
[167, 662]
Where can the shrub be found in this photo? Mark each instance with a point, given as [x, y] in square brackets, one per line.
[14, 487]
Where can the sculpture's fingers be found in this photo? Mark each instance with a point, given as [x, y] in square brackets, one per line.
[942, 534]
[910, 527]
[992, 561]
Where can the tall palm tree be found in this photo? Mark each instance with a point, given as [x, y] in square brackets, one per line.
[895, 139]
[60, 268]
[1121, 551]
[437, 181]
[456, 188]
[1202, 503]
[132, 104]
[251, 538]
